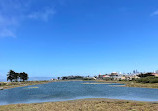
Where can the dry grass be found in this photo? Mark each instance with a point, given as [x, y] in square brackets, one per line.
[84, 105]
[8, 85]
[133, 84]
[143, 85]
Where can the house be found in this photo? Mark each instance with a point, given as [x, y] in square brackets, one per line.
[106, 77]
[155, 74]
[123, 78]
[132, 77]
[114, 75]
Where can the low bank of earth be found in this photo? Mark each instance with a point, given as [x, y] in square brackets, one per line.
[133, 84]
[84, 105]
[8, 85]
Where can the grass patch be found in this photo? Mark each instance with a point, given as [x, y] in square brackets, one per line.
[84, 105]
[8, 85]
[133, 83]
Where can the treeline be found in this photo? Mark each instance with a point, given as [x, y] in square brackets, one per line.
[15, 77]
[77, 78]
[147, 78]
[72, 78]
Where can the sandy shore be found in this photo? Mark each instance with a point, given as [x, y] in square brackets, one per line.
[84, 105]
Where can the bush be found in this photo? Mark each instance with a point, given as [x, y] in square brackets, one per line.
[3, 84]
[88, 79]
[148, 80]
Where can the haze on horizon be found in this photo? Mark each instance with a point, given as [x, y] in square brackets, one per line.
[53, 38]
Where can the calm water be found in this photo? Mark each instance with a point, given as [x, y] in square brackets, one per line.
[61, 91]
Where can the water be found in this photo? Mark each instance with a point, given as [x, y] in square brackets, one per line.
[62, 91]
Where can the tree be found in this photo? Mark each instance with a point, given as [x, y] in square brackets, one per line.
[10, 75]
[23, 76]
[15, 76]
[145, 75]
[58, 78]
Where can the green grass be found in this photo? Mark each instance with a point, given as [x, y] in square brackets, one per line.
[149, 79]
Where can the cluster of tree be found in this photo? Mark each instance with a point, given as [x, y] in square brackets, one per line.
[77, 78]
[88, 78]
[149, 79]
[145, 74]
[72, 77]
[14, 76]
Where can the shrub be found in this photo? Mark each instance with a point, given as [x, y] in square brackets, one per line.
[148, 80]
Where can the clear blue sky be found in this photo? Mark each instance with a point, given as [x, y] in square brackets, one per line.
[86, 37]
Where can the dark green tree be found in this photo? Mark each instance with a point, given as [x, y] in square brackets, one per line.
[58, 78]
[10, 75]
[145, 74]
[23, 76]
[16, 77]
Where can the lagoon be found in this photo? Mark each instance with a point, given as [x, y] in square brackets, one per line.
[71, 90]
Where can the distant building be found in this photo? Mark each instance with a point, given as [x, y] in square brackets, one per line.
[102, 76]
[134, 72]
[120, 77]
[155, 74]
[114, 75]
[106, 77]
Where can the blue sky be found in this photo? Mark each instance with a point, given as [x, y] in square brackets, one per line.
[78, 37]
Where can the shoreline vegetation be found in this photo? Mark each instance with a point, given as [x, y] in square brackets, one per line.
[97, 104]
[9, 85]
[133, 84]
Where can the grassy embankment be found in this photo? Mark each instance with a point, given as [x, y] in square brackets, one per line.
[133, 84]
[8, 85]
[84, 105]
